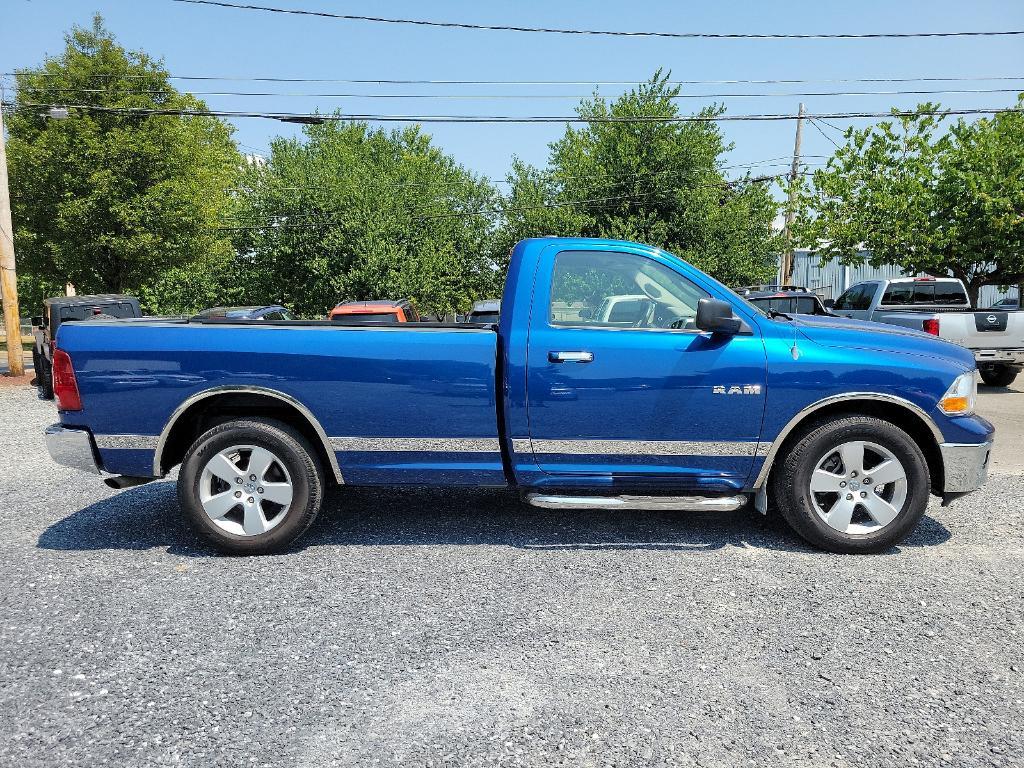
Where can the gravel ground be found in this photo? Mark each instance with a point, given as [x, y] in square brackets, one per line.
[462, 629]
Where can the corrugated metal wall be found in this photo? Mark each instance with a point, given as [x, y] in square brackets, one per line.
[833, 278]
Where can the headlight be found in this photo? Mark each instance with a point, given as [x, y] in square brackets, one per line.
[959, 398]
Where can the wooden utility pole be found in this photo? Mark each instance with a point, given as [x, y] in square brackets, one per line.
[790, 255]
[8, 274]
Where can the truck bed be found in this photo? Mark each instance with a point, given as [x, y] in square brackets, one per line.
[414, 402]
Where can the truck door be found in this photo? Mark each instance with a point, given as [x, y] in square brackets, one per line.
[641, 399]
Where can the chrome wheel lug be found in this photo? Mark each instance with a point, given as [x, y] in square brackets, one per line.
[238, 480]
[854, 473]
[849, 496]
[842, 484]
[252, 477]
[252, 500]
[863, 494]
[238, 494]
[260, 489]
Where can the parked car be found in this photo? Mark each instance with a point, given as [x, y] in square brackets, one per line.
[269, 312]
[359, 312]
[792, 300]
[710, 403]
[66, 309]
[486, 311]
[940, 306]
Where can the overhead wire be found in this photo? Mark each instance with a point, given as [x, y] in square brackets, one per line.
[312, 118]
[386, 81]
[603, 32]
[514, 96]
[496, 209]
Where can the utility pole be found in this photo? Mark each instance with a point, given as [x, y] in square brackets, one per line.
[790, 255]
[8, 274]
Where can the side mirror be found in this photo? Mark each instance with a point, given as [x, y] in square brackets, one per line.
[830, 303]
[715, 316]
[37, 320]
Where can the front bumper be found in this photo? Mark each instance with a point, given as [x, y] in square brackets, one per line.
[965, 466]
[72, 448]
[1005, 356]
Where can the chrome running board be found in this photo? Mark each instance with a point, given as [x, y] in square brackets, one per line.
[679, 503]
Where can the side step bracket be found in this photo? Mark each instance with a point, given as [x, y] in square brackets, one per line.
[679, 503]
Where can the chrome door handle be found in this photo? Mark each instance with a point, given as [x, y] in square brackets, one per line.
[570, 357]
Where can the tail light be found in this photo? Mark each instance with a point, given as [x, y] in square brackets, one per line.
[931, 325]
[65, 388]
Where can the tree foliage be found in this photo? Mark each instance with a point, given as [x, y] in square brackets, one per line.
[352, 213]
[657, 182]
[112, 202]
[931, 201]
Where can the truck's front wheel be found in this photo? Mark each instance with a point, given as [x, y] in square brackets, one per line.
[853, 485]
[998, 375]
[251, 487]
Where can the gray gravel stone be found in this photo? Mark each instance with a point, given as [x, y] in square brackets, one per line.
[442, 628]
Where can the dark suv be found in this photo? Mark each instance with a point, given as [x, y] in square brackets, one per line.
[789, 299]
[66, 309]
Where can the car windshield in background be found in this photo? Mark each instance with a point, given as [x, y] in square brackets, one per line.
[358, 318]
[484, 317]
[951, 294]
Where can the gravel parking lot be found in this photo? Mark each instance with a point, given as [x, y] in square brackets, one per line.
[441, 628]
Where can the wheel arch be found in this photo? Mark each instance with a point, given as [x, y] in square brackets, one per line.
[908, 416]
[209, 407]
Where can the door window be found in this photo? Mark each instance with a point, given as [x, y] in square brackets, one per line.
[858, 297]
[620, 290]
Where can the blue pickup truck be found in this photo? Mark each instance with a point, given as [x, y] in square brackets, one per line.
[618, 377]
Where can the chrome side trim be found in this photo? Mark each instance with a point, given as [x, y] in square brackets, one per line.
[428, 444]
[647, 447]
[965, 466]
[127, 442]
[680, 503]
[230, 389]
[71, 448]
[762, 475]
[522, 445]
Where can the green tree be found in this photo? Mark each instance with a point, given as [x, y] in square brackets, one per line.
[350, 213]
[930, 201]
[108, 201]
[660, 182]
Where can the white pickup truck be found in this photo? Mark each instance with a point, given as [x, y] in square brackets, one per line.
[940, 306]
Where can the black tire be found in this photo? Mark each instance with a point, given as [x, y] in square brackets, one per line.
[999, 375]
[45, 378]
[290, 448]
[792, 475]
[35, 366]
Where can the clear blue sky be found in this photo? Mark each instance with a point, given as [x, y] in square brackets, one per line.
[196, 40]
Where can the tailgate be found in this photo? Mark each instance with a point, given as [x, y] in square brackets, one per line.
[984, 329]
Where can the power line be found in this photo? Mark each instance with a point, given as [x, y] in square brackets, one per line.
[598, 32]
[384, 81]
[499, 209]
[818, 127]
[550, 177]
[512, 96]
[315, 118]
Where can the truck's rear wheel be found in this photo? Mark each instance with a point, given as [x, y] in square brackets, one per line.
[998, 375]
[251, 487]
[853, 485]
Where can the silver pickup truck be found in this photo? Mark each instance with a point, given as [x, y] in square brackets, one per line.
[940, 306]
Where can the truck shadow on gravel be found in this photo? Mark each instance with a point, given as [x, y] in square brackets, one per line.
[147, 517]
